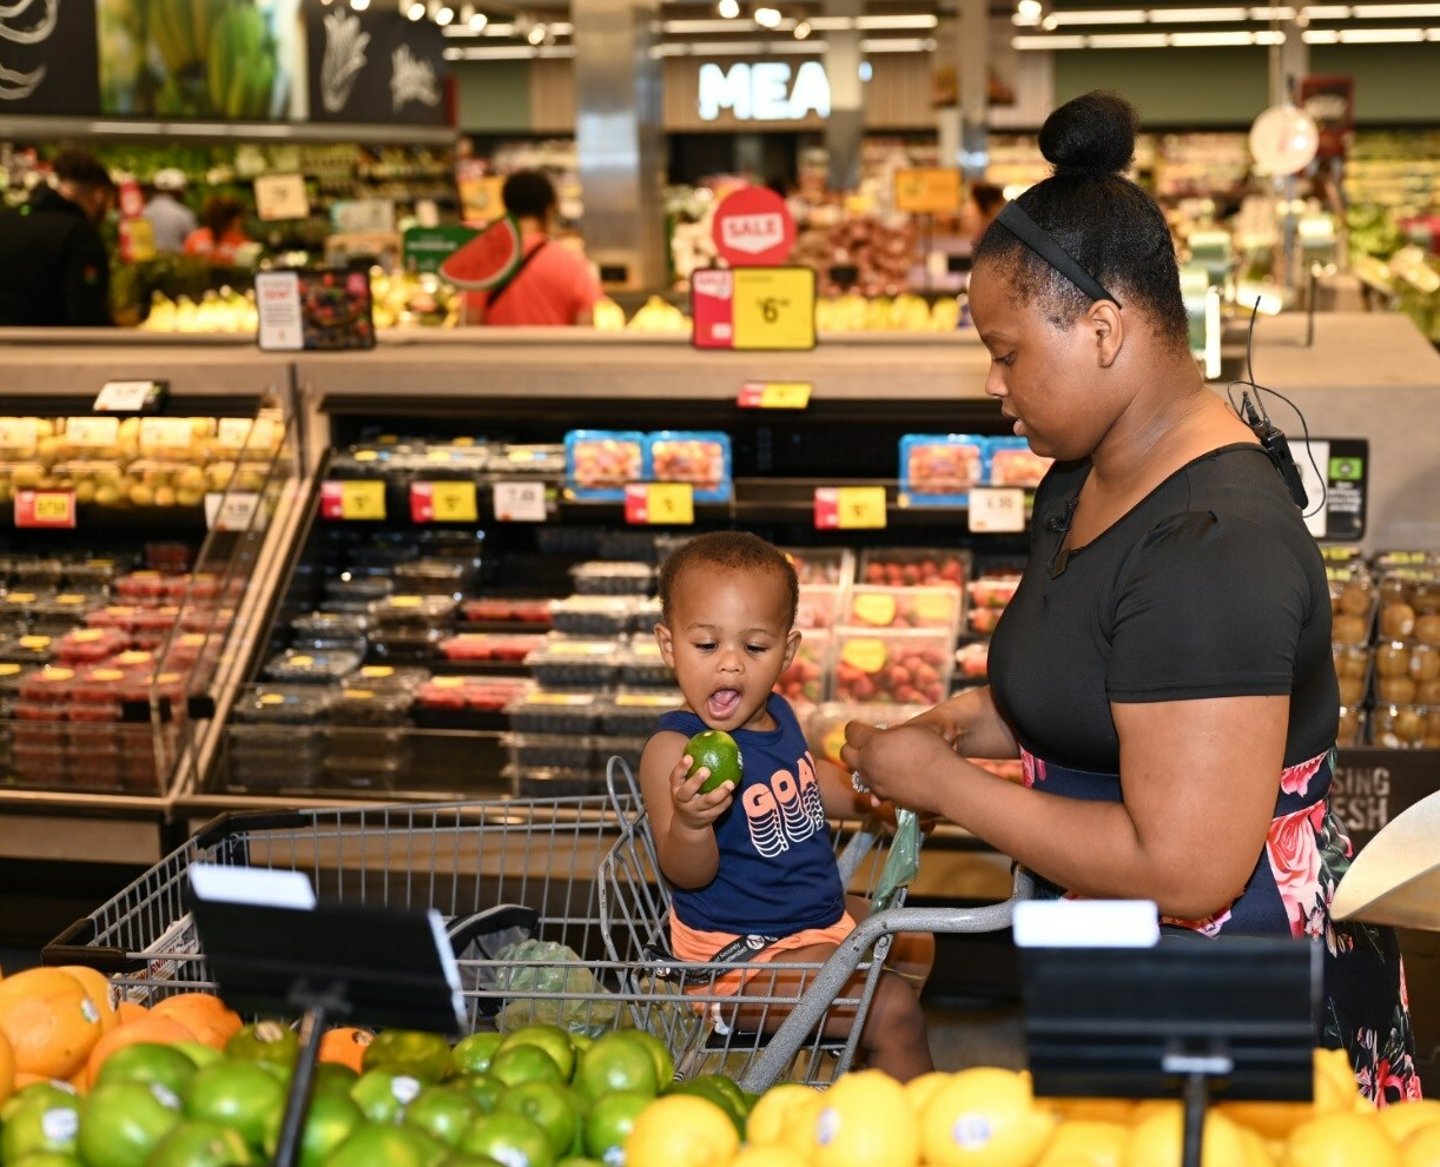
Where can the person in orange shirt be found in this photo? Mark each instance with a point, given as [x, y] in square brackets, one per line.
[222, 232]
[554, 284]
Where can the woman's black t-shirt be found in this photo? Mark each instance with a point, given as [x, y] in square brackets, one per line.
[1211, 586]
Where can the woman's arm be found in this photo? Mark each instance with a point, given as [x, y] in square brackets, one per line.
[1199, 779]
[972, 725]
[680, 816]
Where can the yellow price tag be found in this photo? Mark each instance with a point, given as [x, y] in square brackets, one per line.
[671, 502]
[860, 507]
[53, 506]
[454, 502]
[362, 500]
[927, 190]
[774, 308]
[785, 395]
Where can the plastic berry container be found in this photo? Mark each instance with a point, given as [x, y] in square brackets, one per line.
[820, 606]
[1405, 727]
[287, 705]
[646, 614]
[499, 647]
[993, 591]
[65, 611]
[410, 612]
[598, 463]
[46, 686]
[1353, 601]
[1011, 462]
[822, 565]
[18, 606]
[915, 567]
[940, 469]
[807, 680]
[641, 664]
[508, 609]
[577, 664]
[613, 578]
[699, 457]
[553, 781]
[358, 592]
[528, 750]
[371, 707]
[389, 678]
[95, 694]
[1352, 670]
[635, 714]
[345, 772]
[434, 577]
[91, 573]
[28, 650]
[972, 661]
[893, 666]
[39, 574]
[904, 607]
[1352, 727]
[143, 587]
[41, 765]
[592, 615]
[407, 645]
[541, 712]
[523, 458]
[12, 679]
[135, 661]
[315, 668]
[1406, 672]
[88, 645]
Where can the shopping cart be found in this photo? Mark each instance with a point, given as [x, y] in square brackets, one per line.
[800, 1021]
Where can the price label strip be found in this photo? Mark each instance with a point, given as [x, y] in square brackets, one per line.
[92, 431]
[130, 396]
[996, 510]
[775, 395]
[520, 502]
[850, 508]
[45, 509]
[360, 500]
[754, 309]
[670, 503]
[236, 511]
[443, 502]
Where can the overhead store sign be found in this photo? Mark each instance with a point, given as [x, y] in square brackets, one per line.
[374, 67]
[767, 91]
[753, 226]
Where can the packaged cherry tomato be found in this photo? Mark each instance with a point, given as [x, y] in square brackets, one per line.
[701, 458]
[598, 463]
[940, 469]
[1011, 462]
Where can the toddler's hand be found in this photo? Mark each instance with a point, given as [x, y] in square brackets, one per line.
[695, 810]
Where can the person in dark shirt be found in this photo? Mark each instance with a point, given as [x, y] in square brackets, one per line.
[54, 269]
[1164, 671]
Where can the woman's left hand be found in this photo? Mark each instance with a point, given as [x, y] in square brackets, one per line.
[899, 765]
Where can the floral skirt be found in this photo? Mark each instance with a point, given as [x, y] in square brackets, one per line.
[1365, 1009]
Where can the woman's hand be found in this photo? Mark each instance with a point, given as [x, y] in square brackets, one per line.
[899, 765]
[695, 810]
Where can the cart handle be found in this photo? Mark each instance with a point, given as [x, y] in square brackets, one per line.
[73, 946]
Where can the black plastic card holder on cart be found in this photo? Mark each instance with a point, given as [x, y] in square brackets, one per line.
[1167, 1016]
[272, 950]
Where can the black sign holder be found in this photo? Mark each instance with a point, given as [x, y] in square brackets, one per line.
[329, 963]
[1233, 1019]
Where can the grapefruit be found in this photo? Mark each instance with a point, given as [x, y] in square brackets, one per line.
[240, 1095]
[331, 1120]
[442, 1112]
[472, 1054]
[200, 1144]
[550, 1038]
[511, 1139]
[98, 988]
[417, 1055]
[487, 260]
[40, 1123]
[203, 1014]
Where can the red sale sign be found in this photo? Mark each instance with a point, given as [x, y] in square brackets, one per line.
[753, 228]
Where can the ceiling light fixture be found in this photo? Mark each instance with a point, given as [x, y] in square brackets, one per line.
[444, 16]
[1196, 15]
[477, 22]
[767, 17]
[802, 30]
[359, 5]
[537, 34]
[729, 9]
[416, 11]
[1101, 16]
[1028, 13]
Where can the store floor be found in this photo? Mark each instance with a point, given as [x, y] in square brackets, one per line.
[981, 1034]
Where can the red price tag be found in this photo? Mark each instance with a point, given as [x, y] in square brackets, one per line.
[362, 500]
[849, 508]
[53, 509]
[660, 502]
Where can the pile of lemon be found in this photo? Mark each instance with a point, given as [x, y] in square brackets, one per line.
[990, 1118]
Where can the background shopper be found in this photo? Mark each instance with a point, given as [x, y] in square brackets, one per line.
[170, 219]
[223, 233]
[1164, 671]
[54, 264]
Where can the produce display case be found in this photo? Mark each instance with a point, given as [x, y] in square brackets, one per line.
[120, 619]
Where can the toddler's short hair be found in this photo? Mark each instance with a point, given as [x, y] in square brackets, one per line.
[732, 550]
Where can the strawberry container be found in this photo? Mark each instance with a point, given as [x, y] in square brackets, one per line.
[806, 681]
[592, 615]
[89, 645]
[904, 607]
[822, 565]
[915, 567]
[893, 666]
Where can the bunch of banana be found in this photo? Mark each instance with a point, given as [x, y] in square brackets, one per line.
[181, 30]
[242, 62]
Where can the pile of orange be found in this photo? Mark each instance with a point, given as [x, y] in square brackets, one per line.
[62, 1023]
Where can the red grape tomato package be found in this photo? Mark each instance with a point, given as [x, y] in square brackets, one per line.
[598, 463]
[940, 469]
[1013, 463]
[699, 457]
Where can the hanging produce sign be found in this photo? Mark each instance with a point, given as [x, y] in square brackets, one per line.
[753, 227]
[424, 249]
[48, 58]
[374, 67]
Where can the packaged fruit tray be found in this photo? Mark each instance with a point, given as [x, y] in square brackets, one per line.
[1407, 672]
[508, 609]
[357, 706]
[576, 664]
[915, 567]
[1353, 600]
[499, 647]
[940, 469]
[636, 713]
[699, 457]
[873, 606]
[1352, 727]
[613, 578]
[541, 712]
[1011, 462]
[311, 667]
[598, 463]
[894, 666]
[463, 695]
[820, 606]
[593, 615]
[834, 566]
[807, 680]
[1410, 605]
[1352, 670]
[641, 664]
[1405, 727]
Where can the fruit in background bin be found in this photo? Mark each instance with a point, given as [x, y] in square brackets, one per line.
[98, 988]
[382, 1096]
[511, 1139]
[201, 1144]
[264, 1041]
[144, 1028]
[204, 1014]
[615, 1063]
[122, 1122]
[346, 1046]
[148, 1062]
[610, 1121]
[717, 751]
[472, 1054]
[49, 1021]
[390, 1146]
[682, 1129]
[882, 671]
[442, 1112]
[425, 1056]
[46, 1120]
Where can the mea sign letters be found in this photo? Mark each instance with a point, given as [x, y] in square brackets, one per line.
[764, 92]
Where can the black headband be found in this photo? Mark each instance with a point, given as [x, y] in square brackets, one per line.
[1014, 219]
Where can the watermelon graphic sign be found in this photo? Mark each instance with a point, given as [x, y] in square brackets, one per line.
[488, 260]
[424, 249]
[753, 228]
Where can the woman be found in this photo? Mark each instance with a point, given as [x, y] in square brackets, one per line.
[1164, 669]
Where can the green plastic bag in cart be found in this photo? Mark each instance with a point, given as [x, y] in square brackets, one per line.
[903, 861]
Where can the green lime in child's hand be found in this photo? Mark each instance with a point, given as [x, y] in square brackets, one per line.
[715, 749]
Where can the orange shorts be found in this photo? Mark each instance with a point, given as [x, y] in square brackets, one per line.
[699, 947]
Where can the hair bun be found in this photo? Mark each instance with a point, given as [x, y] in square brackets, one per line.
[1091, 134]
